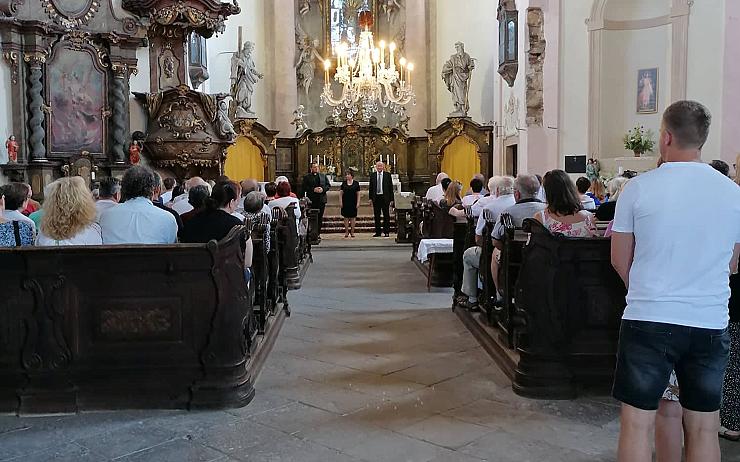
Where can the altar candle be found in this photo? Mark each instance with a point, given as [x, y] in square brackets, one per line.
[394, 158]
[324, 159]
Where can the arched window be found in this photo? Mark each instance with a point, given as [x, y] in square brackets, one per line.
[508, 39]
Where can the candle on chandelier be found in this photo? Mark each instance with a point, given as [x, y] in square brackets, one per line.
[327, 66]
[402, 62]
[382, 53]
[392, 47]
[409, 68]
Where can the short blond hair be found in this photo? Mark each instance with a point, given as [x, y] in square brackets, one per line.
[68, 209]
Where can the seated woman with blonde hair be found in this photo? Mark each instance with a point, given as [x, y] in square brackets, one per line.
[69, 215]
[564, 213]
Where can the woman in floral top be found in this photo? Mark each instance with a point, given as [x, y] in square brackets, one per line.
[14, 233]
[564, 214]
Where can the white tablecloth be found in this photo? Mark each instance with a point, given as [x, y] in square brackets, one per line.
[430, 246]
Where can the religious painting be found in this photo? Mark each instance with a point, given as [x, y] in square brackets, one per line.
[77, 96]
[647, 91]
[284, 159]
[341, 23]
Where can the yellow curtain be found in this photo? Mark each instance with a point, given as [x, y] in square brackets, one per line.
[243, 160]
[461, 160]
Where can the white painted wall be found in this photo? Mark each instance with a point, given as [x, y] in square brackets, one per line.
[474, 23]
[139, 83]
[623, 54]
[6, 122]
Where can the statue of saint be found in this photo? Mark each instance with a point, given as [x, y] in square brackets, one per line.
[12, 146]
[225, 127]
[244, 75]
[300, 125]
[308, 53]
[456, 74]
[134, 151]
[403, 120]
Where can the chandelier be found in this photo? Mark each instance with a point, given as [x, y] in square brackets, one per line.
[369, 76]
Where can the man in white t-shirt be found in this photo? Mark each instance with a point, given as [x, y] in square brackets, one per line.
[436, 193]
[675, 257]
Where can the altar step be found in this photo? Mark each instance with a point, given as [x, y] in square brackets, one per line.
[365, 224]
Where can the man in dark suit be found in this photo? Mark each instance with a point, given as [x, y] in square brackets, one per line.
[315, 186]
[381, 195]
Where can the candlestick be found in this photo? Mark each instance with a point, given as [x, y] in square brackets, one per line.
[324, 159]
[394, 159]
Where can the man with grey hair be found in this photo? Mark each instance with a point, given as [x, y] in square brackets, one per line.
[527, 204]
[109, 195]
[251, 185]
[138, 221]
[502, 188]
[436, 193]
[180, 204]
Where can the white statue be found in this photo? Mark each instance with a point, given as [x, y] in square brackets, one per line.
[308, 53]
[456, 74]
[390, 8]
[305, 7]
[511, 117]
[300, 125]
[244, 75]
[224, 125]
[403, 120]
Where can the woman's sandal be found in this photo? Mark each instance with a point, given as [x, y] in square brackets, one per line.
[729, 435]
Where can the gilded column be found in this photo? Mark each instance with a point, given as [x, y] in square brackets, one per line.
[36, 106]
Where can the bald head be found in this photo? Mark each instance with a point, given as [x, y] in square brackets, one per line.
[527, 186]
[441, 176]
[248, 186]
[196, 181]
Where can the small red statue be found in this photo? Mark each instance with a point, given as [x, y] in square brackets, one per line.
[12, 146]
[133, 152]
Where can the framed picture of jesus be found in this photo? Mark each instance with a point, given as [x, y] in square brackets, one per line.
[647, 91]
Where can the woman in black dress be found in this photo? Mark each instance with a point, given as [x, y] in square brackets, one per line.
[349, 198]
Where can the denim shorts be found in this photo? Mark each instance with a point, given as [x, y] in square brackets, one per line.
[648, 351]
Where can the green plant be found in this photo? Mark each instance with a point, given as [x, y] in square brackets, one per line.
[639, 140]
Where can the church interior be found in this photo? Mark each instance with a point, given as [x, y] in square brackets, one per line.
[343, 345]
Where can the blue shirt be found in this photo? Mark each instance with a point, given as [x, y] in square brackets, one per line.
[7, 234]
[138, 221]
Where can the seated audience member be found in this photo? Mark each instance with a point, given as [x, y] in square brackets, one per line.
[564, 214]
[721, 166]
[502, 191]
[477, 208]
[283, 199]
[110, 195]
[215, 221]
[249, 185]
[284, 179]
[69, 217]
[587, 202]
[14, 233]
[482, 178]
[476, 192]
[31, 205]
[452, 203]
[254, 209]
[606, 210]
[38, 214]
[16, 198]
[238, 214]
[178, 191]
[270, 192]
[169, 186]
[436, 193]
[138, 220]
[197, 197]
[180, 204]
[527, 205]
[156, 200]
[596, 192]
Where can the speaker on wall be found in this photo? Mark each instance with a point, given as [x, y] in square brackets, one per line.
[575, 164]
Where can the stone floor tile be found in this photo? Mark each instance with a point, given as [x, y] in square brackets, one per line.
[291, 449]
[326, 397]
[236, 437]
[126, 440]
[179, 450]
[394, 447]
[506, 447]
[445, 431]
[67, 453]
[294, 417]
[488, 413]
[394, 413]
[342, 433]
[264, 400]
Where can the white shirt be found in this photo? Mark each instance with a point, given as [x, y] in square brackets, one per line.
[471, 199]
[138, 221]
[238, 215]
[181, 205]
[683, 244]
[283, 202]
[435, 193]
[14, 215]
[92, 235]
[497, 205]
[166, 196]
[588, 203]
[541, 195]
[102, 205]
[478, 207]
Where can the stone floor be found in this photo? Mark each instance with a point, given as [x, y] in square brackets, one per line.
[370, 367]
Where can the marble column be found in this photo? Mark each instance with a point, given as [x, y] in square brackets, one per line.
[36, 106]
[283, 86]
[417, 50]
[119, 117]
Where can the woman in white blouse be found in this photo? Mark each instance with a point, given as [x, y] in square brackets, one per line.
[69, 215]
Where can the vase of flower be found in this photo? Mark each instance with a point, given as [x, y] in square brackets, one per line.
[639, 141]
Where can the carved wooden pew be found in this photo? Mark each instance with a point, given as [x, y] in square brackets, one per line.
[439, 224]
[487, 296]
[507, 318]
[108, 327]
[572, 301]
[260, 271]
[417, 218]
